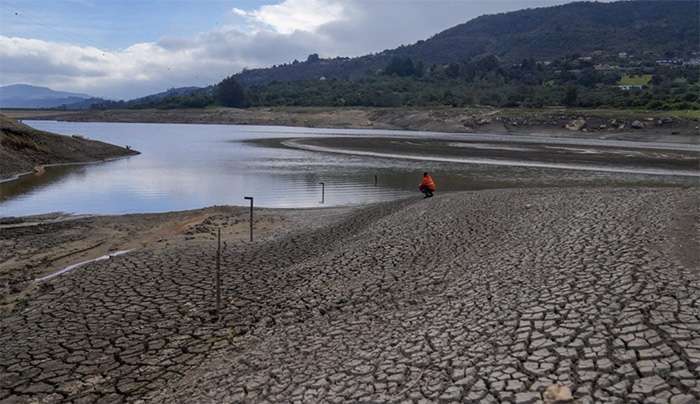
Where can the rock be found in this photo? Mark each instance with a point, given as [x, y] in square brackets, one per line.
[576, 124]
[637, 125]
[557, 393]
[602, 126]
[483, 121]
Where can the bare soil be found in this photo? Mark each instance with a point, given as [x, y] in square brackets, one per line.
[490, 296]
[35, 246]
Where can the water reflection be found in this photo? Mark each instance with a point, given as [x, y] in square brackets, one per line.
[192, 166]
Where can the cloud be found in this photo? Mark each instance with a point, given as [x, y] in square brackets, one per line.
[273, 34]
[294, 15]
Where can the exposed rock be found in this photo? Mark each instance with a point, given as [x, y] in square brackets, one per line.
[576, 125]
[557, 393]
[637, 125]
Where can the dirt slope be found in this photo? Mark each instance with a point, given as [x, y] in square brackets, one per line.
[23, 148]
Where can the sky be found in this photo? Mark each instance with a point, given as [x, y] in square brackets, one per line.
[122, 49]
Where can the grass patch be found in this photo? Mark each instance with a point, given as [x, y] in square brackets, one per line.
[635, 80]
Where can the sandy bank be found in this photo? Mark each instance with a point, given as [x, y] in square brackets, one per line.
[602, 156]
[679, 127]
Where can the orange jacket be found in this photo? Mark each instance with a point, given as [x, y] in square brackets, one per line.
[428, 183]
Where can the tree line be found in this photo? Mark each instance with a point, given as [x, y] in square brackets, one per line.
[567, 81]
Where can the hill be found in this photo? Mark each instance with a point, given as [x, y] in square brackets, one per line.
[23, 148]
[28, 96]
[637, 28]
[172, 92]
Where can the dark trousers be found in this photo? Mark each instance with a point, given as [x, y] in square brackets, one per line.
[425, 190]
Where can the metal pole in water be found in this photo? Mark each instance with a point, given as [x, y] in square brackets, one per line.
[250, 198]
[323, 192]
[218, 274]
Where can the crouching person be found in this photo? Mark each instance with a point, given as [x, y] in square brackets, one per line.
[427, 186]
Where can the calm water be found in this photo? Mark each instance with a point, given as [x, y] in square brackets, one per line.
[193, 166]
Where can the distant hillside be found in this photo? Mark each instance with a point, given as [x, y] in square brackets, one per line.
[22, 148]
[657, 28]
[28, 96]
[172, 92]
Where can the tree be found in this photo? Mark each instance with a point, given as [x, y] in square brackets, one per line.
[487, 64]
[230, 94]
[452, 70]
[570, 97]
[401, 67]
[313, 58]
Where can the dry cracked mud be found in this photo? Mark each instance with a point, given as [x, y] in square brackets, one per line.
[487, 296]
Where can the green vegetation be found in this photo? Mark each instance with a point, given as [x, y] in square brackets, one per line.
[569, 81]
[230, 94]
[635, 80]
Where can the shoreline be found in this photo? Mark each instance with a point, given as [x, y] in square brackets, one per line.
[24, 148]
[39, 170]
[298, 144]
[676, 126]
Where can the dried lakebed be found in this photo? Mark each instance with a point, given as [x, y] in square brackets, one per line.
[466, 297]
[656, 159]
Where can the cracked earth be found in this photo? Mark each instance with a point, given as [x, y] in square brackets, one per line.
[490, 296]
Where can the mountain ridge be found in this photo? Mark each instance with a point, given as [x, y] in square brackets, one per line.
[30, 96]
[634, 27]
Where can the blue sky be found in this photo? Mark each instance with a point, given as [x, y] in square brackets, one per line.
[128, 48]
[112, 24]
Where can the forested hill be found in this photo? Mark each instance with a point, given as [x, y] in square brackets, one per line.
[652, 28]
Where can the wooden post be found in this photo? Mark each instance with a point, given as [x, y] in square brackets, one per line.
[218, 274]
[323, 192]
[375, 180]
[250, 198]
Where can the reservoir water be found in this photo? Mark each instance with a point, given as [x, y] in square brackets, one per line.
[187, 166]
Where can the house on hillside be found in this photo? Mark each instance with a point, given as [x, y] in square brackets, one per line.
[628, 87]
[669, 62]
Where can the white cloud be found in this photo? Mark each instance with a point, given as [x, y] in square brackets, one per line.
[240, 12]
[295, 15]
[275, 34]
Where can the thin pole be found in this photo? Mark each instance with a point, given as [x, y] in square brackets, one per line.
[250, 198]
[323, 192]
[218, 274]
[375, 180]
